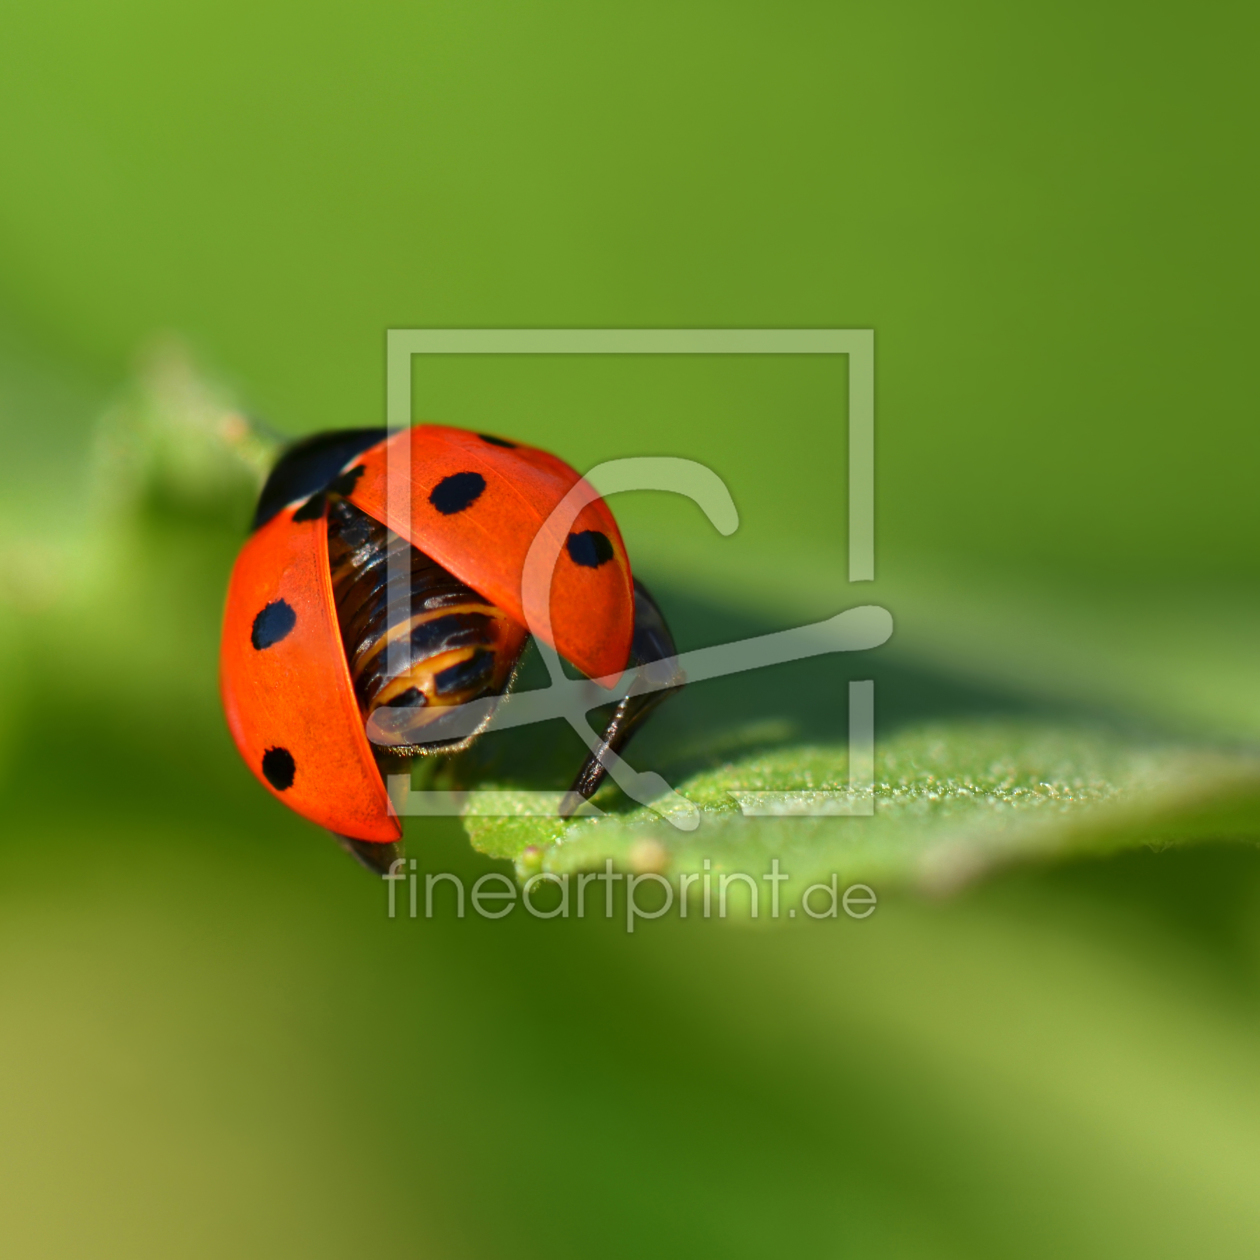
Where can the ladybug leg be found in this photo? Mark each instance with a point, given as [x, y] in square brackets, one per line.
[652, 642]
[373, 855]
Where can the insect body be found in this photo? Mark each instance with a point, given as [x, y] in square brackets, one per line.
[313, 647]
[455, 647]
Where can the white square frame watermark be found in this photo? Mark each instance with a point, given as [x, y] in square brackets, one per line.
[857, 344]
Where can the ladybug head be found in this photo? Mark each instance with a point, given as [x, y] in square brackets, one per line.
[309, 465]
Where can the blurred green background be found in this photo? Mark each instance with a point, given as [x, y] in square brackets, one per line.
[212, 1041]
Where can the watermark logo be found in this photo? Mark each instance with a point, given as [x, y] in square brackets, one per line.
[855, 629]
[647, 895]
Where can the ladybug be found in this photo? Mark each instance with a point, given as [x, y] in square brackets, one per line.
[311, 646]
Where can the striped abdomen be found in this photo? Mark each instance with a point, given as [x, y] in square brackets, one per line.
[456, 647]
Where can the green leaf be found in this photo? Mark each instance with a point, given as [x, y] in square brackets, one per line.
[1001, 761]
[951, 800]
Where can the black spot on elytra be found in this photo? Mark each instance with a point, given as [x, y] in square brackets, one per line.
[494, 441]
[345, 484]
[458, 491]
[278, 768]
[312, 509]
[590, 548]
[413, 695]
[272, 624]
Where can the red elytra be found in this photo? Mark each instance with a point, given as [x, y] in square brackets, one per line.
[290, 703]
[592, 609]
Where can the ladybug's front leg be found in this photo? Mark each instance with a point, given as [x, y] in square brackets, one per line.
[652, 642]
